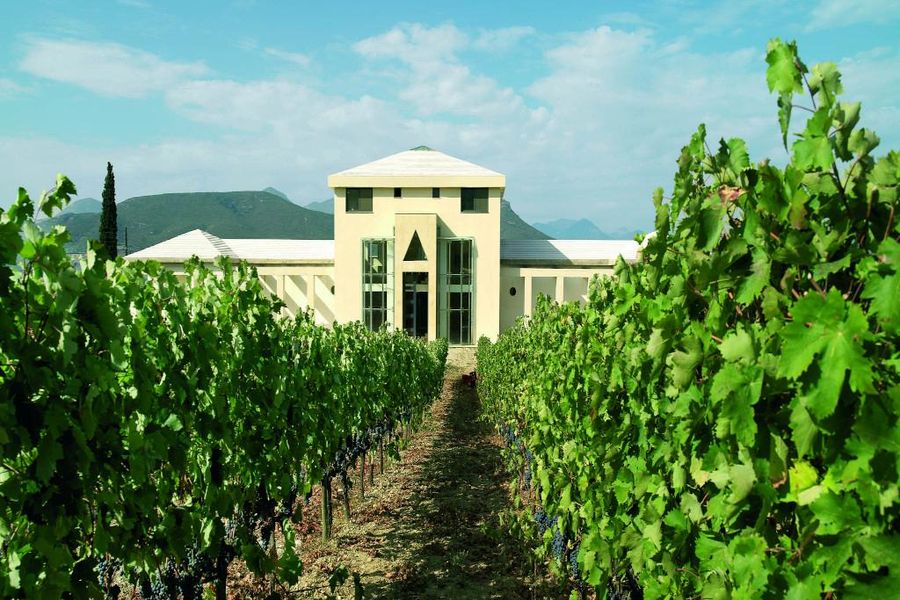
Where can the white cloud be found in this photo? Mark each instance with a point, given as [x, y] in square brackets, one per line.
[622, 103]
[874, 77]
[437, 82]
[105, 68]
[301, 60]
[501, 39]
[831, 14]
[414, 44]
[275, 106]
[591, 136]
[9, 88]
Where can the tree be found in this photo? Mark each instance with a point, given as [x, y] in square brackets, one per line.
[108, 227]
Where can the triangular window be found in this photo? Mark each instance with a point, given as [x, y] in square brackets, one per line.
[415, 250]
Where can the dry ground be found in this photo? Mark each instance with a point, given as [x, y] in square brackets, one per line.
[430, 526]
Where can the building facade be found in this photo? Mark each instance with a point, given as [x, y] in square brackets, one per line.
[417, 247]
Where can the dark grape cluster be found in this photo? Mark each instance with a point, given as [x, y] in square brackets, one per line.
[544, 521]
[161, 586]
[558, 545]
[358, 444]
[509, 435]
[572, 557]
[258, 517]
[106, 573]
[180, 581]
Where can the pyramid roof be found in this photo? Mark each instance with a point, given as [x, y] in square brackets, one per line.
[419, 167]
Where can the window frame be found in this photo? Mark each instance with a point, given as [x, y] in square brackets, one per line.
[474, 200]
[456, 291]
[359, 200]
[377, 283]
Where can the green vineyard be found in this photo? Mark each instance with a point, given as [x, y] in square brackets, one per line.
[721, 419]
[154, 430]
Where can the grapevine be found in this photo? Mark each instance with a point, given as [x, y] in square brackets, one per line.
[721, 418]
[159, 428]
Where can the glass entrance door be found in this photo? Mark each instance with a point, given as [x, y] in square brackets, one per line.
[415, 304]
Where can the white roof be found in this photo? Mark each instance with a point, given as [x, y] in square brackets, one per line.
[193, 243]
[206, 246]
[531, 252]
[562, 252]
[422, 161]
[282, 250]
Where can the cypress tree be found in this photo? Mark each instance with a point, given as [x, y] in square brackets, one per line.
[108, 227]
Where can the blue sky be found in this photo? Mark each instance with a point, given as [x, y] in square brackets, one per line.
[584, 106]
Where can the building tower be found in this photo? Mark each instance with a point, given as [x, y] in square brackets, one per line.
[417, 245]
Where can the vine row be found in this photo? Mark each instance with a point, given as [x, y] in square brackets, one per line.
[152, 429]
[720, 420]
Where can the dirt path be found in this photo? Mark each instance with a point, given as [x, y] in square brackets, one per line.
[430, 526]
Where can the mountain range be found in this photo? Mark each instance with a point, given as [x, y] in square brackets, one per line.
[254, 214]
[581, 229]
[152, 219]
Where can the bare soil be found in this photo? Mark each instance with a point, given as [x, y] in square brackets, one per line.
[430, 526]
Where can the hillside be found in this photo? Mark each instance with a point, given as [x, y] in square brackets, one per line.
[325, 206]
[264, 214]
[79, 206]
[83, 206]
[276, 192]
[512, 227]
[152, 219]
[581, 229]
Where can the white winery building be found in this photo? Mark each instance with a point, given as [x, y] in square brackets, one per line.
[417, 247]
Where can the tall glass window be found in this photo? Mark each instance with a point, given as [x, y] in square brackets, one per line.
[378, 283]
[456, 279]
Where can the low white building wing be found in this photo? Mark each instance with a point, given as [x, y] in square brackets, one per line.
[299, 272]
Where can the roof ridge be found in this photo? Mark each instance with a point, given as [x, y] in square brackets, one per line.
[419, 161]
[219, 244]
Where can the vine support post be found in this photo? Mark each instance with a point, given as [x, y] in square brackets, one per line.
[326, 508]
[381, 457]
[362, 476]
[221, 575]
[345, 483]
[371, 474]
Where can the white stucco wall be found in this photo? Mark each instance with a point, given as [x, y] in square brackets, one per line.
[484, 228]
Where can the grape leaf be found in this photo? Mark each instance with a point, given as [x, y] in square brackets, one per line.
[834, 331]
[825, 82]
[738, 346]
[742, 479]
[753, 284]
[783, 74]
[813, 153]
[862, 142]
[883, 288]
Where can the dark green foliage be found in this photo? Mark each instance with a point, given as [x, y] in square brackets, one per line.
[108, 221]
[142, 418]
[721, 419]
